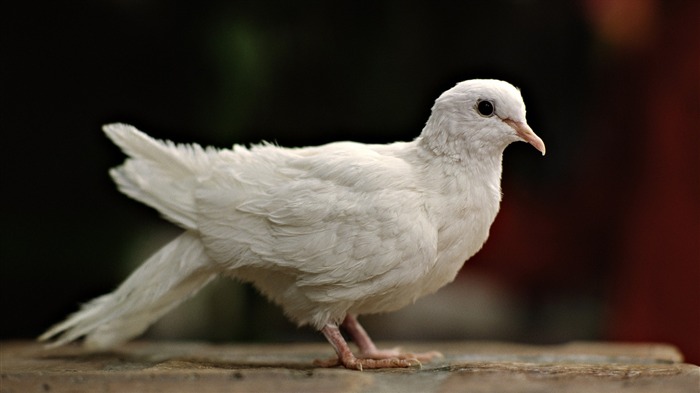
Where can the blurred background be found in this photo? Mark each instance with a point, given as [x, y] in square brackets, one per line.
[599, 240]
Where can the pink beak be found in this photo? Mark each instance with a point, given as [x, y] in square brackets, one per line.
[525, 132]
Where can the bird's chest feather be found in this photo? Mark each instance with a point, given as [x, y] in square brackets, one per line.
[463, 227]
[463, 214]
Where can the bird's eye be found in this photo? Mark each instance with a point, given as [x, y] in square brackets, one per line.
[485, 108]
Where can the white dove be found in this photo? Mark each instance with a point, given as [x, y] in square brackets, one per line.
[327, 232]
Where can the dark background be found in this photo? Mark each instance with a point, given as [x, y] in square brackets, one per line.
[597, 240]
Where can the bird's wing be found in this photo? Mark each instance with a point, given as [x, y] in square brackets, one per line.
[343, 220]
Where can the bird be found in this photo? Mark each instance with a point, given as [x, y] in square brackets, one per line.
[328, 232]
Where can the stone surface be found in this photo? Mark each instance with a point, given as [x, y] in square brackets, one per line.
[467, 366]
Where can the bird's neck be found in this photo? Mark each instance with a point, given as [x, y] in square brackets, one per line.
[445, 137]
[463, 182]
[462, 175]
[479, 164]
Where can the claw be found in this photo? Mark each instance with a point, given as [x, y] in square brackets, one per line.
[370, 357]
[353, 363]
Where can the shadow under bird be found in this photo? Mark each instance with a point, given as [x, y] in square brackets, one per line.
[327, 233]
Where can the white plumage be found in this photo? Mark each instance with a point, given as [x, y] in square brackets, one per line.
[326, 232]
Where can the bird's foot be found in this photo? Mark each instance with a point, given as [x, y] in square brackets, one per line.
[354, 363]
[388, 358]
[396, 353]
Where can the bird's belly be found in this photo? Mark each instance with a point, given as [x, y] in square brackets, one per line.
[401, 296]
[458, 243]
[444, 272]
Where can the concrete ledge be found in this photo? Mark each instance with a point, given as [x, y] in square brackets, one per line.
[467, 366]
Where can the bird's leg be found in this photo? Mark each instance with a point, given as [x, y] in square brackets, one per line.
[348, 360]
[359, 335]
[369, 350]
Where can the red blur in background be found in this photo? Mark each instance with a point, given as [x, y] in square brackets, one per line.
[637, 190]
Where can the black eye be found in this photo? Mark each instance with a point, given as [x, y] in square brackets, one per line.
[485, 108]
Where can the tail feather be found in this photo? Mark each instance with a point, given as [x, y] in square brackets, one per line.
[160, 174]
[173, 274]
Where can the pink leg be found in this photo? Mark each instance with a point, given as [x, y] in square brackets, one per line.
[348, 360]
[359, 335]
[369, 350]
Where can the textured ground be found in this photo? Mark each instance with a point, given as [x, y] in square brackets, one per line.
[467, 366]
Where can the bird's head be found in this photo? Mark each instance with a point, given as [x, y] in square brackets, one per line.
[476, 117]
